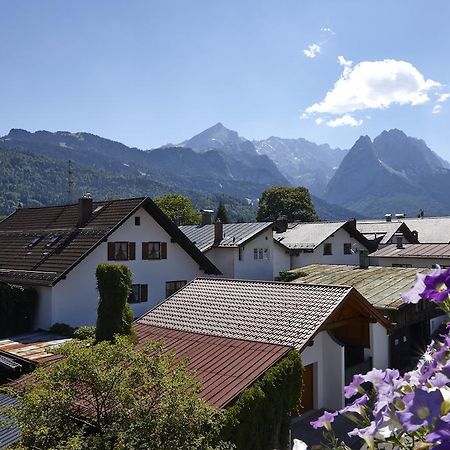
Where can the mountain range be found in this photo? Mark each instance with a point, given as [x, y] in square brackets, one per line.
[392, 173]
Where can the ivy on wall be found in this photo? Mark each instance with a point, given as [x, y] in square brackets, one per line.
[17, 309]
[260, 418]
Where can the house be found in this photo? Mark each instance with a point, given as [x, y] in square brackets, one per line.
[413, 325]
[298, 244]
[56, 250]
[430, 230]
[239, 250]
[412, 255]
[313, 319]
[381, 233]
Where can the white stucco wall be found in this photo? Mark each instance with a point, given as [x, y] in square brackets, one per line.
[379, 346]
[338, 257]
[44, 314]
[328, 358]
[414, 262]
[228, 262]
[74, 300]
[281, 260]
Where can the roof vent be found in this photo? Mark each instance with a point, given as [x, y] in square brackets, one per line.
[207, 216]
[281, 224]
[84, 209]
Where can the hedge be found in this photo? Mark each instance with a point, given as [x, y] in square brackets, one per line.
[260, 418]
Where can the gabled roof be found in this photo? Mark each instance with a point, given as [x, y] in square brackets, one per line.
[381, 286]
[431, 229]
[309, 235]
[28, 257]
[234, 234]
[441, 251]
[383, 231]
[263, 311]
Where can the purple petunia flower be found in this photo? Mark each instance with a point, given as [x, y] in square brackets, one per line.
[355, 386]
[413, 295]
[357, 406]
[324, 421]
[437, 286]
[422, 408]
[440, 435]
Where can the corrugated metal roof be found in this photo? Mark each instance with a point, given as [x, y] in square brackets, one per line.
[414, 251]
[263, 311]
[381, 286]
[303, 235]
[224, 366]
[9, 435]
[32, 346]
[235, 234]
[431, 229]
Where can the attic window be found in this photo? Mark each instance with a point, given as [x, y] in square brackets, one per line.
[53, 239]
[35, 241]
[137, 221]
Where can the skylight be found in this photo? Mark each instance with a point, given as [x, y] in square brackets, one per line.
[53, 239]
[35, 241]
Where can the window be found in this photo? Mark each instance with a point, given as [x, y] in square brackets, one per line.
[266, 253]
[121, 251]
[35, 241]
[138, 293]
[347, 248]
[154, 250]
[260, 253]
[327, 248]
[255, 253]
[241, 253]
[174, 286]
[53, 239]
[137, 221]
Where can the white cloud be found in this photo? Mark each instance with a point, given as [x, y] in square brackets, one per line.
[345, 120]
[443, 97]
[374, 85]
[318, 121]
[312, 50]
[327, 30]
[436, 109]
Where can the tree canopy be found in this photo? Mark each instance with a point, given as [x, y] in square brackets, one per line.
[111, 396]
[179, 209]
[292, 202]
[222, 213]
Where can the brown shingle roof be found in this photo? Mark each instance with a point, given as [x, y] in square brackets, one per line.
[26, 254]
[263, 311]
[414, 251]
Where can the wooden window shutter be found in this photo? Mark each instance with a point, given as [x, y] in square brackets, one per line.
[163, 250]
[145, 250]
[111, 251]
[144, 292]
[131, 250]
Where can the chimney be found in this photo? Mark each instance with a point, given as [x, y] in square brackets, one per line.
[218, 231]
[352, 222]
[388, 217]
[400, 216]
[280, 225]
[416, 235]
[363, 259]
[207, 215]
[399, 238]
[84, 209]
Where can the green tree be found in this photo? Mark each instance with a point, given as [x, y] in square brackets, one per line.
[222, 214]
[292, 202]
[114, 314]
[109, 396]
[179, 209]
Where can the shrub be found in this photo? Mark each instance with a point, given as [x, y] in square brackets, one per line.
[62, 329]
[260, 418]
[114, 314]
[84, 332]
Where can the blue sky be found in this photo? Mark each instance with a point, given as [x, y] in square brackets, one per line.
[150, 72]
